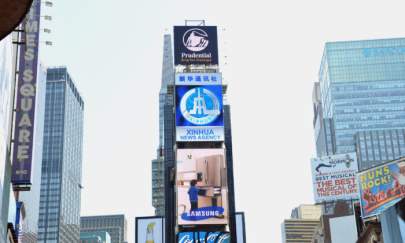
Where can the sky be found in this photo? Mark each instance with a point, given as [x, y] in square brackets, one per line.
[270, 52]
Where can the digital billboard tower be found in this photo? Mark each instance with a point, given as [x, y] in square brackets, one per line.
[199, 192]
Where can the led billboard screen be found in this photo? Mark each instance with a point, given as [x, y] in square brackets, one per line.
[195, 45]
[199, 108]
[334, 177]
[149, 230]
[202, 190]
[204, 237]
[381, 187]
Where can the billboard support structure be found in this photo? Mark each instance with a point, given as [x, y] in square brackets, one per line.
[198, 22]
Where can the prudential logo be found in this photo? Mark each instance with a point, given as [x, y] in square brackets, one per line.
[200, 106]
[195, 39]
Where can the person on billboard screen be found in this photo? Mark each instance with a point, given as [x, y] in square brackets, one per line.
[193, 193]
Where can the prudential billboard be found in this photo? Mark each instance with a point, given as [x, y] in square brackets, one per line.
[195, 45]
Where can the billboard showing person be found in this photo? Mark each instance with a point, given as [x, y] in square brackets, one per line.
[381, 187]
[202, 191]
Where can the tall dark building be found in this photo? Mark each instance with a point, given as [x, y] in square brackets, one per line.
[115, 225]
[158, 164]
[59, 215]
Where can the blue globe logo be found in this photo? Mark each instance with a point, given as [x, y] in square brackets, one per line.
[200, 106]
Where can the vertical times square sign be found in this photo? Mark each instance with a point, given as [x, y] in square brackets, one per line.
[26, 93]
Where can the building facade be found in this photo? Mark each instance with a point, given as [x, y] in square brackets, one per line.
[59, 213]
[361, 88]
[376, 147]
[95, 237]
[28, 225]
[158, 201]
[115, 225]
[6, 87]
[299, 230]
[307, 211]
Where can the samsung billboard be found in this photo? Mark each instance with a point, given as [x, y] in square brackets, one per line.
[195, 45]
[202, 189]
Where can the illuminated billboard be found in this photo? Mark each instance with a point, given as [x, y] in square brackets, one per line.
[199, 108]
[334, 177]
[195, 45]
[203, 237]
[381, 187]
[25, 100]
[202, 190]
[149, 230]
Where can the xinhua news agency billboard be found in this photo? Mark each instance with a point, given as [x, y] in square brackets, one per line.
[202, 189]
[334, 177]
[26, 94]
[199, 107]
[195, 45]
[203, 237]
[381, 187]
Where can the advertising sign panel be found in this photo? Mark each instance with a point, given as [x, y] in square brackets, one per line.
[196, 45]
[381, 187]
[204, 237]
[26, 94]
[149, 230]
[343, 229]
[240, 227]
[202, 190]
[199, 109]
[334, 177]
[198, 79]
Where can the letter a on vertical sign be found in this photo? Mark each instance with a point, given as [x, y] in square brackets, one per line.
[25, 100]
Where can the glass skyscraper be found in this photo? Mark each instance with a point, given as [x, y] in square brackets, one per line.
[158, 164]
[361, 89]
[59, 213]
[30, 199]
[115, 225]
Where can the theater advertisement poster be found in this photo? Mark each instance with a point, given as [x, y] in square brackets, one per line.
[381, 187]
[334, 177]
[199, 108]
[202, 190]
[195, 45]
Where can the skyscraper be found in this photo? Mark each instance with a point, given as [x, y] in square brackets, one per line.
[30, 199]
[115, 225]
[303, 223]
[361, 88]
[158, 164]
[59, 217]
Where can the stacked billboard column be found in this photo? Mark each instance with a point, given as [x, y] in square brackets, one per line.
[200, 184]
